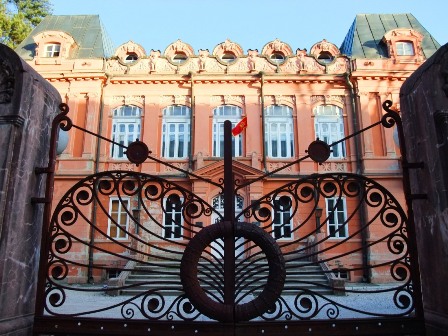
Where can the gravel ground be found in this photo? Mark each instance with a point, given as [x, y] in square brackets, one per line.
[88, 300]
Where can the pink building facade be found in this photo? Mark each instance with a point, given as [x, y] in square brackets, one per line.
[176, 101]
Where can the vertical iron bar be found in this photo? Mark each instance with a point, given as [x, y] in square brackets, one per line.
[229, 214]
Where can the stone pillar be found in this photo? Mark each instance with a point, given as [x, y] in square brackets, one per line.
[28, 104]
[424, 106]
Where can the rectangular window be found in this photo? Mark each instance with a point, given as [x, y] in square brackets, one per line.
[173, 219]
[218, 140]
[175, 139]
[329, 127]
[282, 224]
[118, 218]
[405, 49]
[52, 50]
[279, 138]
[336, 217]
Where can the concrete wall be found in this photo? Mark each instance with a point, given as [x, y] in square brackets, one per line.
[424, 105]
[28, 104]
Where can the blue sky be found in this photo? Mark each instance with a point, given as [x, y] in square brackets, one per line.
[251, 23]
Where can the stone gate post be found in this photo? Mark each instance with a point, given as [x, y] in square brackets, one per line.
[424, 107]
[28, 104]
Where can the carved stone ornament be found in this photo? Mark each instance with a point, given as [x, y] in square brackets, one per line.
[6, 82]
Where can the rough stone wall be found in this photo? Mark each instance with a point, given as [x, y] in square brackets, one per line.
[424, 105]
[28, 104]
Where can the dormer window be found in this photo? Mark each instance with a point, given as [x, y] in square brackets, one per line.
[179, 58]
[52, 50]
[325, 57]
[277, 58]
[228, 57]
[131, 58]
[405, 48]
[404, 45]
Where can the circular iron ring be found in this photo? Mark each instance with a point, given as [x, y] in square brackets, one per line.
[229, 312]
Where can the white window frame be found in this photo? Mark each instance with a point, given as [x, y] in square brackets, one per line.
[123, 204]
[336, 207]
[279, 132]
[329, 127]
[52, 50]
[125, 115]
[175, 116]
[172, 224]
[405, 48]
[222, 113]
[285, 222]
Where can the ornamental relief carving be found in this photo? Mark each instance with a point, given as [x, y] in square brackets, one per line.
[128, 100]
[334, 167]
[6, 82]
[180, 165]
[204, 61]
[122, 166]
[277, 165]
[339, 66]
[327, 99]
[284, 100]
[227, 100]
[114, 66]
[175, 100]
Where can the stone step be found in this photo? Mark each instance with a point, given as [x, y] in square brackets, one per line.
[163, 277]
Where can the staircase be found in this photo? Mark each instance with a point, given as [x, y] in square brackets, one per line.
[163, 277]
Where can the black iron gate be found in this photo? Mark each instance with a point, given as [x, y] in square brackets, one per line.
[175, 275]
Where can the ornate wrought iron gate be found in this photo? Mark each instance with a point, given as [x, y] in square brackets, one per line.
[188, 279]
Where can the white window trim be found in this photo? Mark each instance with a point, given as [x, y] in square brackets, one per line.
[126, 120]
[218, 132]
[337, 224]
[270, 120]
[50, 52]
[121, 209]
[402, 44]
[283, 225]
[172, 224]
[177, 120]
[336, 117]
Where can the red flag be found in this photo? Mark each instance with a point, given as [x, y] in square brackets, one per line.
[241, 126]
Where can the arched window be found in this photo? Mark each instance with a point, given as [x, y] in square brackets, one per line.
[126, 126]
[329, 127]
[221, 114]
[131, 58]
[176, 131]
[279, 134]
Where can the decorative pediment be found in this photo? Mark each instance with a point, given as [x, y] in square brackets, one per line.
[178, 47]
[216, 170]
[129, 48]
[277, 46]
[324, 47]
[228, 47]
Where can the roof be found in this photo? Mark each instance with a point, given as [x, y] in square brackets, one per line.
[363, 40]
[87, 30]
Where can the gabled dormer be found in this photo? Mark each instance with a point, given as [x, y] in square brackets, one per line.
[52, 47]
[404, 45]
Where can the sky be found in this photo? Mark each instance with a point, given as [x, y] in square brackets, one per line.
[155, 24]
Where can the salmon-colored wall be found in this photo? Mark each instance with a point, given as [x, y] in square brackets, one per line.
[93, 88]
